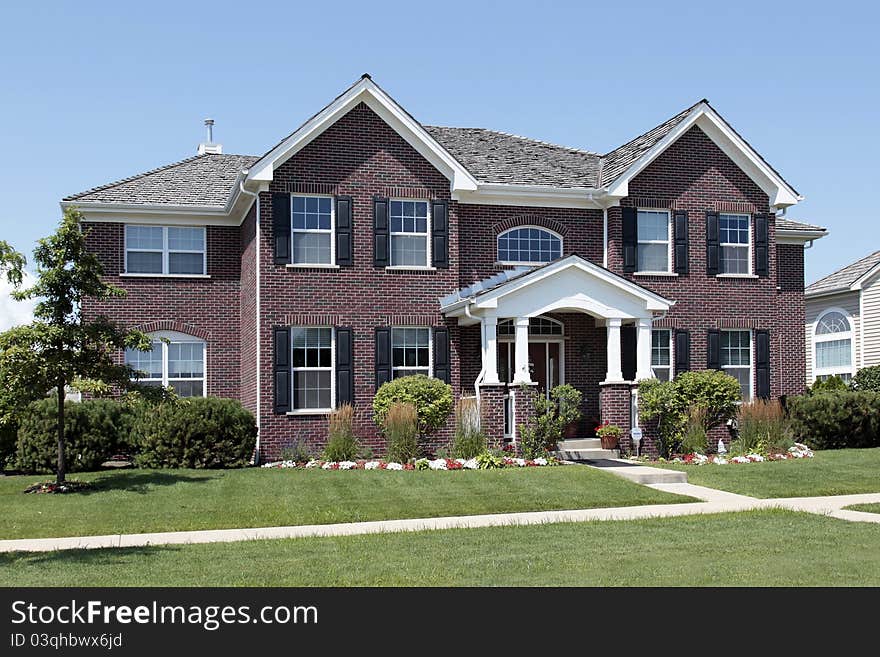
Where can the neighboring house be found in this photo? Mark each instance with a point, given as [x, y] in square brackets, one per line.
[843, 320]
[366, 246]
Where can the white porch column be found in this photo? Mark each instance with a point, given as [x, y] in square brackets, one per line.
[521, 372]
[613, 373]
[490, 349]
[643, 349]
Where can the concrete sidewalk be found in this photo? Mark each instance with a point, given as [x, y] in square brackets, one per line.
[713, 501]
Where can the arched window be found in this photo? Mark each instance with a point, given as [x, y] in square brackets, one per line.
[833, 345]
[528, 245]
[176, 360]
[538, 326]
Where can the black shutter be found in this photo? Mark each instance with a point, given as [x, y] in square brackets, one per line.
[344, 247]
[442, 364]
[281, 227]
[440, 234]
[383, 356]
[713, 349]
[762, 364]
[682, 350]
[762, 245]
[380, 232]
[281, 369]
[629, 238]
[713, 251]
[680, 231]
[344, 367]
[628, 350]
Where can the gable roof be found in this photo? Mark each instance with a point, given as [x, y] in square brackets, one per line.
[848, 278]
[789, 224]
[205, 181]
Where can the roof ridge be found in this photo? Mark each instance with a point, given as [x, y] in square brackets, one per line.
[837, 272]
[524, 138]
[144, 174]
[685, 111]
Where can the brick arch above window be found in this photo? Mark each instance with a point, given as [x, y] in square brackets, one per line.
[173, 325]
[529, 220]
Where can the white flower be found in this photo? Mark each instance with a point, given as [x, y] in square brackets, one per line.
[347, 465]
[757, 458]
[470, 464]
[719, 460]
[371, 465]
[437, 464]
[700, 459]
[393, 466]
[328, 465]
[274, 464]
[313, 464]
[739, 459]
[538, 461]
[461, 461]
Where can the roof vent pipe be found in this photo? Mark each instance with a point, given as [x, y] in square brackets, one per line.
[209, 147]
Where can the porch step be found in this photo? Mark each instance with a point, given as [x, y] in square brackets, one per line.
[580, 443]
[589, 454]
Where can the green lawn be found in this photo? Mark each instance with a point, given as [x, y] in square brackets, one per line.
[763, 548]
[867, 508]
[134, 501]
[832, 472]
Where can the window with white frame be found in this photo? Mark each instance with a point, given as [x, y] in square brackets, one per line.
[410, 351]
[833, 346]
[736, 359]
[312, 230]
[409, 234]
[160, 250]
[538, 326]
[653, 241]
[176, 360]
[528, 245]
[734, 239]
[661, 353]
[312, 368]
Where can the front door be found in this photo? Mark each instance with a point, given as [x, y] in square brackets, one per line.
[545, 367]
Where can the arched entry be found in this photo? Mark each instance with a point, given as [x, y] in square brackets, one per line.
[546, 351]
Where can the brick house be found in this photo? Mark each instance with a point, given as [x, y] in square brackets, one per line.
[365, 246]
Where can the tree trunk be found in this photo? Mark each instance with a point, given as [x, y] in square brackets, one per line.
[61, 464]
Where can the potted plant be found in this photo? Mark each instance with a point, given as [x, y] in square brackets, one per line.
[568, 401]
[609, 434]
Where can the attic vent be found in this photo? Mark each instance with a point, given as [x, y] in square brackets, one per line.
[209, 146]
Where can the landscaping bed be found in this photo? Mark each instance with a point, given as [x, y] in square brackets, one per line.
[484, 461]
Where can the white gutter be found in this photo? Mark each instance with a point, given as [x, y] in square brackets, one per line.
[605, 237]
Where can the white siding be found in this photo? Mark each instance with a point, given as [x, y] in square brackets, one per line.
[848, 301]
[871, 334]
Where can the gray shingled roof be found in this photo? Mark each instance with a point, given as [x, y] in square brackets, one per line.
[498, 157]
[788, 224]
[842, 279]
[199, 181]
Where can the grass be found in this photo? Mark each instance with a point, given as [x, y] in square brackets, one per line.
[762, 548]
[135, 501]
[830, 472]
[867, 508]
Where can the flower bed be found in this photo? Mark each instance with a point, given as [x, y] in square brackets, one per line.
[477, 463]
[797, 451]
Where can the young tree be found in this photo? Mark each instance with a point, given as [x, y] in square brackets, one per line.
[59, 347]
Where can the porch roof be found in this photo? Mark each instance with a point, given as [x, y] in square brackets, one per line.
[566, 283]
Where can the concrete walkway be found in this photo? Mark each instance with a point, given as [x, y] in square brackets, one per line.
[713, 501]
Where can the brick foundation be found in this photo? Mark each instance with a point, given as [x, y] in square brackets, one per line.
[492, 413]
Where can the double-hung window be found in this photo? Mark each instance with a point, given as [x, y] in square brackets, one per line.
[410, 351]
[176, 360]
[736, 359]
[832, 346]
[409, 234]
[160, 250]
[312, 230]
[312, 368]
[734, 238]
[653, 241]
[661, 353]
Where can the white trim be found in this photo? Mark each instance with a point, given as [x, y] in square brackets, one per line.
[166, 253]
[308, 266]
[784, 236]
[744, 156]
[667, 241]
[669, 274]
[426, 235]
[138, 275]
[409, 268]
[331, 369]
[671, 366]
[737, 245]
[430, 350]
[177, 337]
[751, 366]
[518, 263]
[861, 328]
[737, 276]
[366, 91]
[605, 237]
[850, 335]
[315, 231]
[861, 280]
[531, 196]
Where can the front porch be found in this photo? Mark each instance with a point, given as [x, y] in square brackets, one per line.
[567, 322]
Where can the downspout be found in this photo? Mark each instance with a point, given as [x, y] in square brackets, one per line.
[256, 198]
[605, 237]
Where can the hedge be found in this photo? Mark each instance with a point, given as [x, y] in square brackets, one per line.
[836, 420]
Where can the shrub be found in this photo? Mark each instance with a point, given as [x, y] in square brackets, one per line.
[469, 439]
[8, 436]
[836, 420]
[867, 379]
[551, 418]
[489, 461]
[762, 428]
[568, 402]
[401, 432]
[694, 440]
[341, 444]
[431, 398]
[95, 430]
[668, 403]
[198, 432]
[297, 450]
[831, 384]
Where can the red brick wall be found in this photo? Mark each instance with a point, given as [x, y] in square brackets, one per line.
[205, 307]
[248, 310]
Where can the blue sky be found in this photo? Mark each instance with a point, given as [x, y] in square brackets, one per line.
[95, 91]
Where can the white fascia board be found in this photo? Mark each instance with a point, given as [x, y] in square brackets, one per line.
[703, 116]
[531, 196]
[799, 236]
[164, 215]
[827, 293]
[386, 108]
[864, 278]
